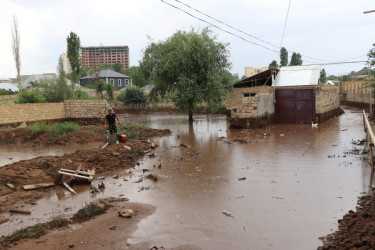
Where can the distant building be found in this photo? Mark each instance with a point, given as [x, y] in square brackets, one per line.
[30, 80]
[236, 75]
[98, 55]
[250, 71]
[147, 88]
[114, 78]
[3, 79]
[66, 64]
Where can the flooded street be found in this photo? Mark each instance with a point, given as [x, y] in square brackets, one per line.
[299, 181]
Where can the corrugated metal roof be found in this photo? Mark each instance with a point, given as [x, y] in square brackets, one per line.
[262, 78]
[298, 75]
[106, 73]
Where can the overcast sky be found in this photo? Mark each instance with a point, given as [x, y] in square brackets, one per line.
[332, 30]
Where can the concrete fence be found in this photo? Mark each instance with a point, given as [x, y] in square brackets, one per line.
[72, 109]
[356, 93]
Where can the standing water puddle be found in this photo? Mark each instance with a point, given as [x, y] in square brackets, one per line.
[297, 185]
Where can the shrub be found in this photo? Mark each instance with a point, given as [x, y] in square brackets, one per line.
[37, 128]
[58, 129]
[30, 97]
[82, 95]
[55, 89]
[132, 94]
[6, 92]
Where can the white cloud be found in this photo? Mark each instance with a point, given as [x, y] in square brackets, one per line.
[322, 29]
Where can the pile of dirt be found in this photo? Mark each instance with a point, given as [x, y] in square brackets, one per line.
[356, 229]
[85, 135]
[44, 169]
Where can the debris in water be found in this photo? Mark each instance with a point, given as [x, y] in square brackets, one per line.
[139, 180]
[281, 134]
[127, 213]
[93, 190]
[101, 185]
[242, 178]
[19, 211]
[184, 145]
[152, 177]
[227, 213]
[100, 178]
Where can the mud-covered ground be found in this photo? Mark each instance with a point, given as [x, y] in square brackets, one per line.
[44, 169]
[356, 229]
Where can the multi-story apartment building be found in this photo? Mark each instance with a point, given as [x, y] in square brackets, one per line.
[250, 71]
[96, 55]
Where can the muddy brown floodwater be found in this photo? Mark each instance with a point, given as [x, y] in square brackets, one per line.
[299, 182]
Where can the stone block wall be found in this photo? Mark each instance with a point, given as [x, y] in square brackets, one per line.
[6, 98]
[86, 108]
[72, 109]
[327, 98]
[31, 112]
[356, 92]
[234, 98]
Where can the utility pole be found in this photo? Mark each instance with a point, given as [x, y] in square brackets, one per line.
[369, 73]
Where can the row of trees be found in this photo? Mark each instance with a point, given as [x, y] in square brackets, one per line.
[295, 60]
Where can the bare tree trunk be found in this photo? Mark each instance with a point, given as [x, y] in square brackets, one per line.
[190, 116]
[16, 49]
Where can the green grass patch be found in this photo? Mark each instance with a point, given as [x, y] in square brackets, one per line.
[87, 212]
[37, 129]
[132, 131]
[33, 232]
[64, 128]
[56, 129]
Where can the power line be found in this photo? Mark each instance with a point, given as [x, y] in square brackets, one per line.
[286, 19]
[215, 19]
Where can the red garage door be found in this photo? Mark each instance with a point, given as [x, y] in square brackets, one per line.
[295, 105]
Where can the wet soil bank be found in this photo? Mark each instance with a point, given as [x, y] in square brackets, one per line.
[44, 169]
[98, 232]
[356, 229]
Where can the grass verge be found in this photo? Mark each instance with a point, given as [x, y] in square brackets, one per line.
[56, 129]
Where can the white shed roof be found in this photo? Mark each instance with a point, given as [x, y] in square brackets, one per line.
[298, 75]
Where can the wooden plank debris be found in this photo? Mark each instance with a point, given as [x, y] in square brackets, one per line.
[19, 211]
[11, 186]
[40, 185]
[69, 188]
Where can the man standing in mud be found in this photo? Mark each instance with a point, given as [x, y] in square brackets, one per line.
[110, 121]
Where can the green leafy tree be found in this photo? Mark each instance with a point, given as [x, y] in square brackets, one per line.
[283, 57]
[132, 94]
[109, 89]
[81, 95]
[138, 78]
[296, 59]
[323, 76]
[73, 53]
[273, 64]
[371, 56]
[100, 87]
[115, 67]
[191, 67]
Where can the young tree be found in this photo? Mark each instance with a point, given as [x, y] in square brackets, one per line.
[16, 49]
[100, 87]
[296, 59]
[273, 64]
[191, 67]
[323, 76]
[73, 51]
[283, 57]
[137, 76]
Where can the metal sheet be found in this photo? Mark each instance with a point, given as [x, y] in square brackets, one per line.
[298, 76]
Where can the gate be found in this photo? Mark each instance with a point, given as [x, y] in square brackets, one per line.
[295, 105]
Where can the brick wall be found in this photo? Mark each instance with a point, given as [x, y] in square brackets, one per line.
[32, 112]
[327, 98]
